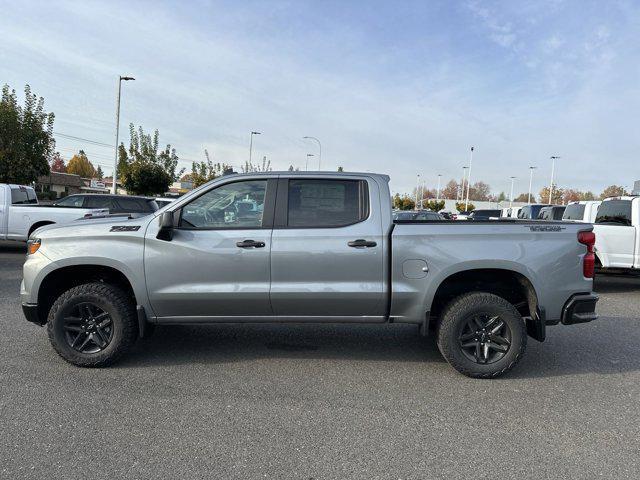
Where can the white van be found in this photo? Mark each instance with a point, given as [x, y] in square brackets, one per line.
[617, 238]
[584, 211]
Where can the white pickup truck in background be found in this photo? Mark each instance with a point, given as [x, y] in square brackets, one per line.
[583, 211]
[20, 213]
[617, 238]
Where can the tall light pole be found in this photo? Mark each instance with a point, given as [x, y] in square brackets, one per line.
[438, 191]
[511, 196]
[553, 167]
[319, 149]
[417, 188]
[466, 203]
[464, 177]
[115, 162]
[251, 144]
[307, 164]
[531, 169]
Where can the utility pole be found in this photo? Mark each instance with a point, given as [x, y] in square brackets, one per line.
[511, 196]
[251, 144]
[553, 166]
[531, 169]
[466, 203]
[115, 162]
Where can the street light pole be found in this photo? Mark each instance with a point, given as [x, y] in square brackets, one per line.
[115, 162]
[319, 149]
[466, 203]
[307, 164]
[251, 144]
[417, 188]
[531, 169]
[438, 191]
[464, 177]
[511, 196]
[553, 166]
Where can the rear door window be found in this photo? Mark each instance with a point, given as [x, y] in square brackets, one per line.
[75, 201]
[96, 201]
[574, 212]
[319, 203]
[614, 212]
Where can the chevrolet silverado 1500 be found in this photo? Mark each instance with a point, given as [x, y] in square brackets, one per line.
[307, 247]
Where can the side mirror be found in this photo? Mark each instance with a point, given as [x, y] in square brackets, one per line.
[166, 227]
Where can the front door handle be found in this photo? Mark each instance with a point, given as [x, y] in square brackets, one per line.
[360, 243]
[250, 244]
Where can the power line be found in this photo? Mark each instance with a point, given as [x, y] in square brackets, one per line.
[72, 137]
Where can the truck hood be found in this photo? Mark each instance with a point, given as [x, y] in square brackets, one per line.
[95, 226]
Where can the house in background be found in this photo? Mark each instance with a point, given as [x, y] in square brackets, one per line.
[57, 185]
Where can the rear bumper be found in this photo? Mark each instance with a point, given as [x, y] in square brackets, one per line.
[580, 308]
[30, 312]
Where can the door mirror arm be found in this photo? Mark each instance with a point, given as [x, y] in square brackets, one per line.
[165, 231]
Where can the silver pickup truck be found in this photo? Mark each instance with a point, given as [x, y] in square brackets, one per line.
[305, 247]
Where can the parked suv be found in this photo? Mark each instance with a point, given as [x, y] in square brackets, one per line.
[115, 203]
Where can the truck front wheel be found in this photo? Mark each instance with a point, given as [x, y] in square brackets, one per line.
[481, 335]
[92, 325]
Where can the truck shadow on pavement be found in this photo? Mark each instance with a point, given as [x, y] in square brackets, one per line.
[607, 346]
[607, 283]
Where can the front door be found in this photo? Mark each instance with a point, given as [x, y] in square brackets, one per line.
[327, 259]
[217, 263]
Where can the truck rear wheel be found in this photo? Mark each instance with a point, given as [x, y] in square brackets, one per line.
[92, 325]
[481, 335]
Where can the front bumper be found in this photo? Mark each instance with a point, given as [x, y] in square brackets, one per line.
[30, 312]
[580, 308]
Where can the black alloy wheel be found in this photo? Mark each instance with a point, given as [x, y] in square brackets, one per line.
[88, 328]
[484, 339]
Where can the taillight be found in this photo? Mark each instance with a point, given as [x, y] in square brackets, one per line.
[589, 260]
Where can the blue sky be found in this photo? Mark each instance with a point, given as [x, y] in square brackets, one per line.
[394, 87]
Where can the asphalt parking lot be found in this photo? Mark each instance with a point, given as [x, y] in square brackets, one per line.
[320, 402]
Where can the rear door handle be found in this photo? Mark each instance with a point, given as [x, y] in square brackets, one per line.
[250, 244]
[360, 243]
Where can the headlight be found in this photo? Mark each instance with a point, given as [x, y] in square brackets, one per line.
[33, 245]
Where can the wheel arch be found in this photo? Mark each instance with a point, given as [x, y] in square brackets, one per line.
[37, 225]
[513, 286]
[62, 279]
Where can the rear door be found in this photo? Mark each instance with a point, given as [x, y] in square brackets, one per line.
[615, 235]
[327, 259]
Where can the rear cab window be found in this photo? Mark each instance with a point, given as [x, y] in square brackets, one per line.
[23, 196]
[614, 212]
[320, 203]
[574, 211]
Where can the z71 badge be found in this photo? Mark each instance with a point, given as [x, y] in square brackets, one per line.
[546, 228]
[125, 228]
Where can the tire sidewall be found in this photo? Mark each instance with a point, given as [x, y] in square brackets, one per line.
[480, 304]
[62, 307]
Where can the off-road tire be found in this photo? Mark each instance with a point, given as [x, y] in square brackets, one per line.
[458, 312]
[108, 298]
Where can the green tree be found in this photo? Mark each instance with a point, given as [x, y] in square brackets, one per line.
[205, 171]
[435, 205]
[340, 169]
[256, 167]
[26, 137]
[145, 169]
[80, 165]
[612, 191]
[460, 207]
[523, 197]
[99, 173]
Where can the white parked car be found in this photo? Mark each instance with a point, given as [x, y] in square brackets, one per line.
[584, 211]
[617, 229]
[20, 213]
